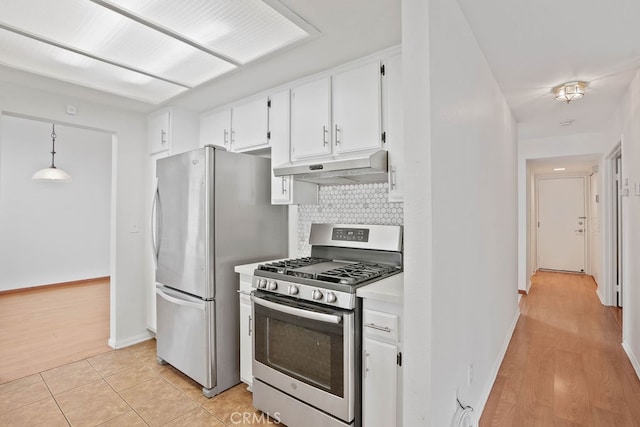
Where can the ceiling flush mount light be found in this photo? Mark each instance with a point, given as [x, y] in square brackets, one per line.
[569, 91]
[52, 173]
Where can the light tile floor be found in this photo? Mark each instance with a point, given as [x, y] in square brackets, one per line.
[123, 387]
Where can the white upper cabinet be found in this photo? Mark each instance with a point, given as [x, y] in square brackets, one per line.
[356, 109]
[284, 189]
[250, 125]
[215, 129]
[310, 121]
[338, 114]
[243, 127]
[393, 124]
[159, 132]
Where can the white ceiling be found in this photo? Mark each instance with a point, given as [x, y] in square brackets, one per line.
[532, 46]
[346, 30]
[572, 164]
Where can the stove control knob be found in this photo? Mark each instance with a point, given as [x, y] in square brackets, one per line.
[262, 283]
[293, 290]
[316, 295]
[273, 285]
[331, 297]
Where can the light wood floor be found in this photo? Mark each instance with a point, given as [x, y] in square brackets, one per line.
[48, 327]
[565, 365]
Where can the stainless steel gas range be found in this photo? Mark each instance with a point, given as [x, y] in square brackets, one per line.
[307, 340]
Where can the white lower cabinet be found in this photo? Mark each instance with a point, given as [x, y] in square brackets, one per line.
[381, 365]
[246, 330]
[380, 382]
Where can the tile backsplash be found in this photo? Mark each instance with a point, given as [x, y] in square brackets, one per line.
[348, 204]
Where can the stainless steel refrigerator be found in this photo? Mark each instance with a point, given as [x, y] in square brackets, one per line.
[212, 210]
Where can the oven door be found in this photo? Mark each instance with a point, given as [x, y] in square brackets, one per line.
[307, 351]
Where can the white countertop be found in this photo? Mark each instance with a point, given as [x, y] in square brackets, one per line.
[390, 290]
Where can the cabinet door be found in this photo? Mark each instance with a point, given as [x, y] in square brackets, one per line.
[215, 129]
[159, 132]
[310, 125]
[356, 109]
[380, 384]
[280, 146]
[246, 329]
[393, 119]
[250, 125]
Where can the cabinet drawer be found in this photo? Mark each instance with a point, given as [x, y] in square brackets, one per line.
[380, 325]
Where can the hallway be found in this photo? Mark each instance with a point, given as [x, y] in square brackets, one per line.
[565, 365]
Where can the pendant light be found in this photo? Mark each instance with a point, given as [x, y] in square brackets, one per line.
[52, 173]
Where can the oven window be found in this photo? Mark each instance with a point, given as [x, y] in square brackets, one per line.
[308, 350]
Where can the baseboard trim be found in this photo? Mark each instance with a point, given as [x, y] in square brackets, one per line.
[496, 367]
[52, 285]
[632, 358]
[117, 344]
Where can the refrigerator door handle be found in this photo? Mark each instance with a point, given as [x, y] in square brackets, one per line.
[154, 225]
[178, 301]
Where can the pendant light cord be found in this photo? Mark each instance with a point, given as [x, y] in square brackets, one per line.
[53, 146]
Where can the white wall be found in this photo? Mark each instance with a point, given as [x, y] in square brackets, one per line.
[129, 258]
[49, 232]
[630, 112]
[595, 143]
[460, 217]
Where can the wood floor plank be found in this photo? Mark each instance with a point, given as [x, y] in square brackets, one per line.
[570, 394]
[47, 327]
[565, 365]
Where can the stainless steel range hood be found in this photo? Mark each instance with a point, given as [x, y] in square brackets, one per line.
[370, 166]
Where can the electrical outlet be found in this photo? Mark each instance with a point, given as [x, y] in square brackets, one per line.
[470, 374]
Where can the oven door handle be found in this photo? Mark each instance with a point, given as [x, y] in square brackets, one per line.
[322, 317]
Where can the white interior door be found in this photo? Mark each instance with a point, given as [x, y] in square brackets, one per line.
[561, 224]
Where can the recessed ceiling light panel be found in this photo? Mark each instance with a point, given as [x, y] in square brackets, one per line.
[240, 29]
[44, 59]
[559, 169]
[103, 33]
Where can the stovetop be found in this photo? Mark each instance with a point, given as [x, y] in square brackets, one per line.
[326, 270]
[344, 276]
[343, 258]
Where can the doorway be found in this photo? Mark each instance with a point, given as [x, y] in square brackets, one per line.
[617, 224]
[561, 224]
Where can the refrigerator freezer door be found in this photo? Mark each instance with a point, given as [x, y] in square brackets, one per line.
[185, 334]
[184, 242]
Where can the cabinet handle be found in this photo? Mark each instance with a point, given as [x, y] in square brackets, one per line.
[379, 328]
[233, 136]
[366, 362]
[337, 130]
[324, 135]
[225, 138]
[163, 136]
[284, 187]
[393, 177]
[250, 325]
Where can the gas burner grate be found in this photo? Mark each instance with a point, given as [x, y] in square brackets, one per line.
[355, 273]
[284, 267]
